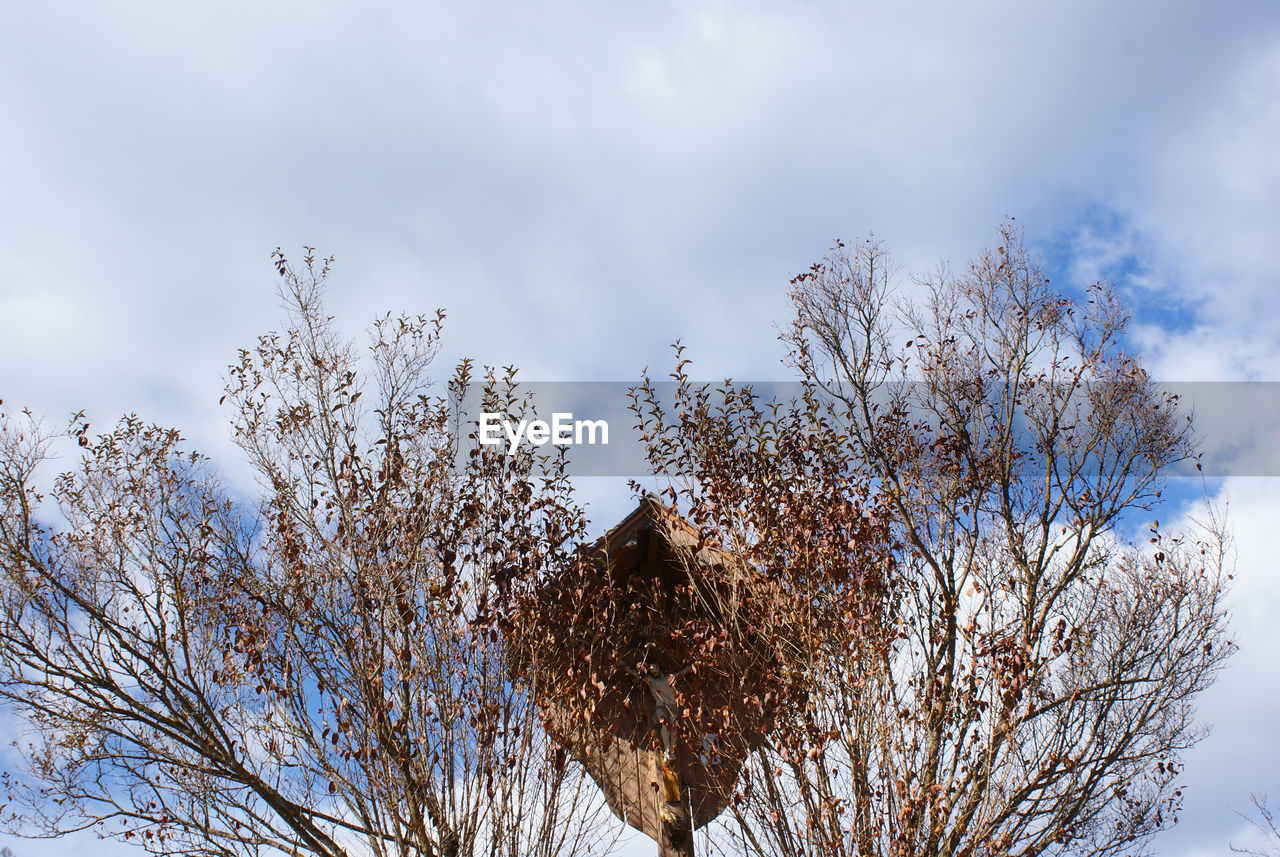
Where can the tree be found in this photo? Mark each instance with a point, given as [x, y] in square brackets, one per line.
[320, 673]
[1265, 821]
[981, 664]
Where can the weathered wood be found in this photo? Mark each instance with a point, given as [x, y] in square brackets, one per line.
[631, 777]
[634, 742]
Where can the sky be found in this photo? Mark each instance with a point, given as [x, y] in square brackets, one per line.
[581, 184]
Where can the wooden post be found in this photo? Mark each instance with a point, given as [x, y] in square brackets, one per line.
[676, 839]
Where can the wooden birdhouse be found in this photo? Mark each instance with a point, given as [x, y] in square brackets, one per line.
[652, 670]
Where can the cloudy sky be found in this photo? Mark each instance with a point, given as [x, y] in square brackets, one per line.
[580, 184]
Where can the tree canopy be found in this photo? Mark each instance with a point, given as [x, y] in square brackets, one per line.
[898, 614]
[988, 666]
[318, 673]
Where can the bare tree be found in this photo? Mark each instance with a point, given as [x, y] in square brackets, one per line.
[1265, 820]
[318, 674]
[986, 667]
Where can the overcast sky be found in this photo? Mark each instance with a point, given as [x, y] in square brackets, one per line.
[580, 184]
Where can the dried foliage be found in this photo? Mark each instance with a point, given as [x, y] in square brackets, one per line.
[321, 673]
[972, 660]
[894, 616]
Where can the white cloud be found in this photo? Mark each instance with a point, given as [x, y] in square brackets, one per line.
[1204, 206]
